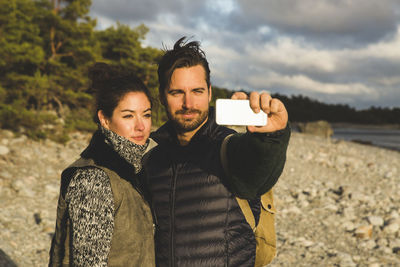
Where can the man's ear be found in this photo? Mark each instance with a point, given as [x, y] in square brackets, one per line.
[103, 120]
[209, 94]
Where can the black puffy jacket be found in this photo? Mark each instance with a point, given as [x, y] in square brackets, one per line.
[199, 222]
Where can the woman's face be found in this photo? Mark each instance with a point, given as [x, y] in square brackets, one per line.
[131, 118]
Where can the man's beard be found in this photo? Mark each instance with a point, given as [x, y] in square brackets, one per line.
[187, 125]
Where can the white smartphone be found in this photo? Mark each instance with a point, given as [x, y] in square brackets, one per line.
[238, 112]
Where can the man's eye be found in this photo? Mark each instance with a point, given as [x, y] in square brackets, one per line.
[198, 91]
[175, 92]
[127, 116]
[148, 115]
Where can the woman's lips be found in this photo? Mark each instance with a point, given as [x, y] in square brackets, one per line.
[138, 138]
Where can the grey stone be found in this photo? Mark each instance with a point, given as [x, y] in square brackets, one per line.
[52, 189]
[318, 128]
[5, 175]
[346, 260]
[370, 244]
[376, 220]
[4, 142]
[4, 150]
[7, 134]
[388, 175]
[349, 226]
[391, 228]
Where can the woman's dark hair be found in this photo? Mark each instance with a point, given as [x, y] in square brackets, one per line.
[182, 55]
[110, 84]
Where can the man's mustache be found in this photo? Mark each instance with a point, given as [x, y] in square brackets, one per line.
[187, 111]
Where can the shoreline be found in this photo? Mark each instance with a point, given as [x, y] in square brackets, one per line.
[365, 126]
[386, 136]
[366, 143]
[354, 125]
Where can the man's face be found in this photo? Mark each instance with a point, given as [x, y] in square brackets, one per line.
[187, 98]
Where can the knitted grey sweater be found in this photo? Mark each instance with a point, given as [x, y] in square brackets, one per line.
[91, 204]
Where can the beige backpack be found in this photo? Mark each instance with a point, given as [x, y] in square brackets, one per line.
[264, 231]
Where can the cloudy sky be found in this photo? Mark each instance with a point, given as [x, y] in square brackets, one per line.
[336, 51]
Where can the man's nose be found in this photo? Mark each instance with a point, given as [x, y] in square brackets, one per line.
[187, 101]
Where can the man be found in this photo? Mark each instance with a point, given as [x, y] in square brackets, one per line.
[198, 168]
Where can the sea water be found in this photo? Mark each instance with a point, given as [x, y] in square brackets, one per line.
[387, 138]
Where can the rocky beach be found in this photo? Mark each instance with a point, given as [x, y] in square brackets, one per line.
[338, 202]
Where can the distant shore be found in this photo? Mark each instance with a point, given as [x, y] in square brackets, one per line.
[384, 136]
[365, 126]
[356, 125]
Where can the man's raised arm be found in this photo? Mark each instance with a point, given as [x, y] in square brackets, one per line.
[253, 161]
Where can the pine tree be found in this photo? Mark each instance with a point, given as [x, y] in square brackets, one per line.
[122, 46]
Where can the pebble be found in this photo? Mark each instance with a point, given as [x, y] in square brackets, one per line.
[370, 244]
[348, 226]
[346, 260]
[391, 228]
[52, 189]
[364, 231]
[388, 175]
[5, 175]
[329, 194]
[4, 150]
[376, 220]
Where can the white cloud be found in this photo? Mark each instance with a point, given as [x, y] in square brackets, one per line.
[287, 52]
[306, 84]
[222, 6]
[385, 49]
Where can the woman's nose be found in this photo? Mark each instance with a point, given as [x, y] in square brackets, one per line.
[139, 125]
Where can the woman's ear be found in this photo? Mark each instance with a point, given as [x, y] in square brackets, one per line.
[103, 120]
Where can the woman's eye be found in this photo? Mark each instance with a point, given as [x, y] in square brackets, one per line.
[147, 115]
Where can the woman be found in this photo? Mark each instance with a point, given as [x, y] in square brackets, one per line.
[102, 217]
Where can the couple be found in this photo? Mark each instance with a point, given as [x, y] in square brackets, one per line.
[179, 208]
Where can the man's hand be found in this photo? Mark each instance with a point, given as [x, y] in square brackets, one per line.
[277, 114]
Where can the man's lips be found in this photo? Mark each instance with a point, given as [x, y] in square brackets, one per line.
[187, 114]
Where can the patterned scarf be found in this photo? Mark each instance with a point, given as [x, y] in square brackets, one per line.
[128, 150]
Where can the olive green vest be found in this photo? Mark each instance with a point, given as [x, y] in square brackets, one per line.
[132, 243]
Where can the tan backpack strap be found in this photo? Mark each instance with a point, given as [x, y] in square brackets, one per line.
[248, 214]
[267, 202]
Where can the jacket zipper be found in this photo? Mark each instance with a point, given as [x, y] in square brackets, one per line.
[172, 214]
